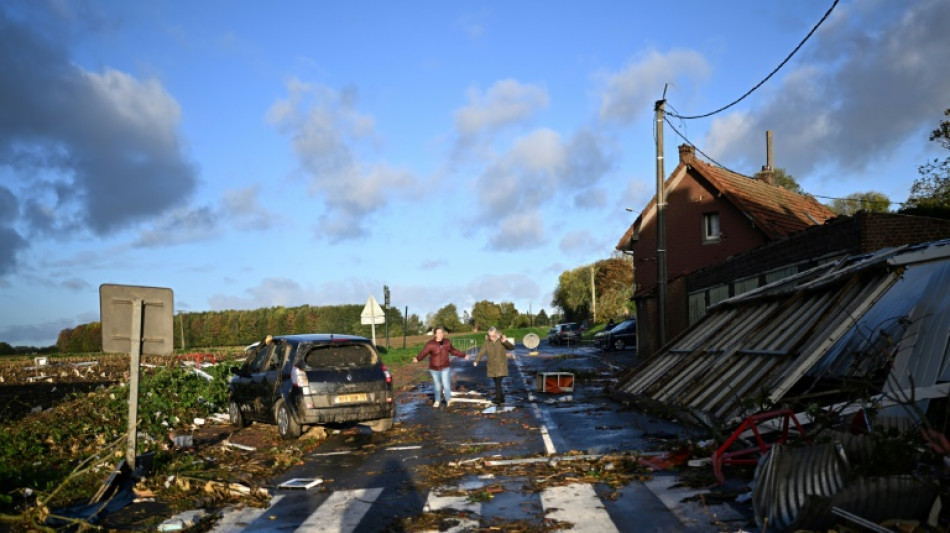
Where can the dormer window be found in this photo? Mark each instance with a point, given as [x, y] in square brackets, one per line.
[710, 227]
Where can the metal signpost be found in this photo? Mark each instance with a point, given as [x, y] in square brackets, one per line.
[372, 314]
[135, 320]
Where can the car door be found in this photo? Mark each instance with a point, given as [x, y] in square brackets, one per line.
[269, 384]
[259, 384]
[242, 391]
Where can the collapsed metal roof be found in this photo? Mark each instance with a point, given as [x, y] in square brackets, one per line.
[882, 320]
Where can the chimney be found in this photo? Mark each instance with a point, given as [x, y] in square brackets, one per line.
[767, 175]
[687, 153]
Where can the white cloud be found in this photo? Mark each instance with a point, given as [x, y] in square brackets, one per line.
[581, 242]
[632, 92]
[326, 131]
[277, 291]
[244, 209]
[505, 103]
[84, 151]
[518, 231]
[871, 80]
[539, 170]
[181, 226]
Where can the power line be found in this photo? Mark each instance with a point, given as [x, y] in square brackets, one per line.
[889, 201]
[704, 154]
[757, 85]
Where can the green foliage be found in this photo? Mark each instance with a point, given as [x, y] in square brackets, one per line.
[931, 191]
[39, 451]
[871, 201]
[447, 318]
[240, 328]
[783, 179]
[486, 314]
[84, 338]
[509, 314]
[573, 293]
[542, 319]
[613, 284]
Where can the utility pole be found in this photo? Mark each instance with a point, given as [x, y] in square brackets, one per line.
[181, 322]
[385, 307]
[660, 110]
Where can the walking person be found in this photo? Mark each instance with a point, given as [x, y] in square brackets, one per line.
[496, 348]
[438, 350]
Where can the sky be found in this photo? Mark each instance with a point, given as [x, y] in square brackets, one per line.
[252, 154]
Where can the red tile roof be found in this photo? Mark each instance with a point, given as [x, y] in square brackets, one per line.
[776, 211]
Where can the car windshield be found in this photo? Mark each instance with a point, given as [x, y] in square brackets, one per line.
[338, 355]
[629, 324]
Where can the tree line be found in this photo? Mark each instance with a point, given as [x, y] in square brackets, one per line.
[241, 327]
[484, 315]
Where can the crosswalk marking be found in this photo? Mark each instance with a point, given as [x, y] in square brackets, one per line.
[578, 504]
[459, 503]
[236, 520]
[341, 512]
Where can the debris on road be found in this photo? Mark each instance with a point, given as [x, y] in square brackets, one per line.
[244, 447]
[498, 409]
[299, 483]
[184, 520]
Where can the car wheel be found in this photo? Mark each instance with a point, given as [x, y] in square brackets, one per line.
[287, 427]
[383, 424]
[235, 414]
[619, 344]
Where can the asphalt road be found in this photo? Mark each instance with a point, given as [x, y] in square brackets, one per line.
[367, 482]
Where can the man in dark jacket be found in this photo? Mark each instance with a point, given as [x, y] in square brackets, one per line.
[496, 347]
[438, 350]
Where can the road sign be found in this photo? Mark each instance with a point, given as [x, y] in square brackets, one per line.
[372, 314]
[153, 325]
[135, 320]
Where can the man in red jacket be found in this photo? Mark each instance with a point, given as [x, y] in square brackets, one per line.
[438, 350]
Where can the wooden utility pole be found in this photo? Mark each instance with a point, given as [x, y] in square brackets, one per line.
[660, 110]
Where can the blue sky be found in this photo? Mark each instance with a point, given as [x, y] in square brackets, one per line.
[249, 154]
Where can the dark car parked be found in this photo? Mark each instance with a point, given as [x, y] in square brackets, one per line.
[619, 337]
[566, 333]
[298, 380]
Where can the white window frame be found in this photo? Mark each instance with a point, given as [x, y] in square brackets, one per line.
[711, 228]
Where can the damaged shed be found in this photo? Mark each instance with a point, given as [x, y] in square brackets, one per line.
[868, 325]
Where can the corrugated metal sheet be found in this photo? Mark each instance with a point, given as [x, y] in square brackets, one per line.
[840, 321]
[883, 498]
[789, 480]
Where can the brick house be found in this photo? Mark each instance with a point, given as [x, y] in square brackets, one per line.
[712, 214]
[863, 233]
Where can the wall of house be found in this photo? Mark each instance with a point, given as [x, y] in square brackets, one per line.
[690, 198]
[884, 231]
[862, 233]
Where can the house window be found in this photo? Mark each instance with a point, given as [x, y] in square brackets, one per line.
[711, 227]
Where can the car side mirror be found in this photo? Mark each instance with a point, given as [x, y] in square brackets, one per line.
[237, 370]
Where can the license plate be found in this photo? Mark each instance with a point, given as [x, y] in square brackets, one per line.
[350, 398]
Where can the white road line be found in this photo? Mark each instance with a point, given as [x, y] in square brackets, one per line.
[341, 512]
[459, 503]
[236, 520]
[538, 413]
[580, 505]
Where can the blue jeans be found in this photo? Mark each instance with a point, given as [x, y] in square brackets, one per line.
[441, 379]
